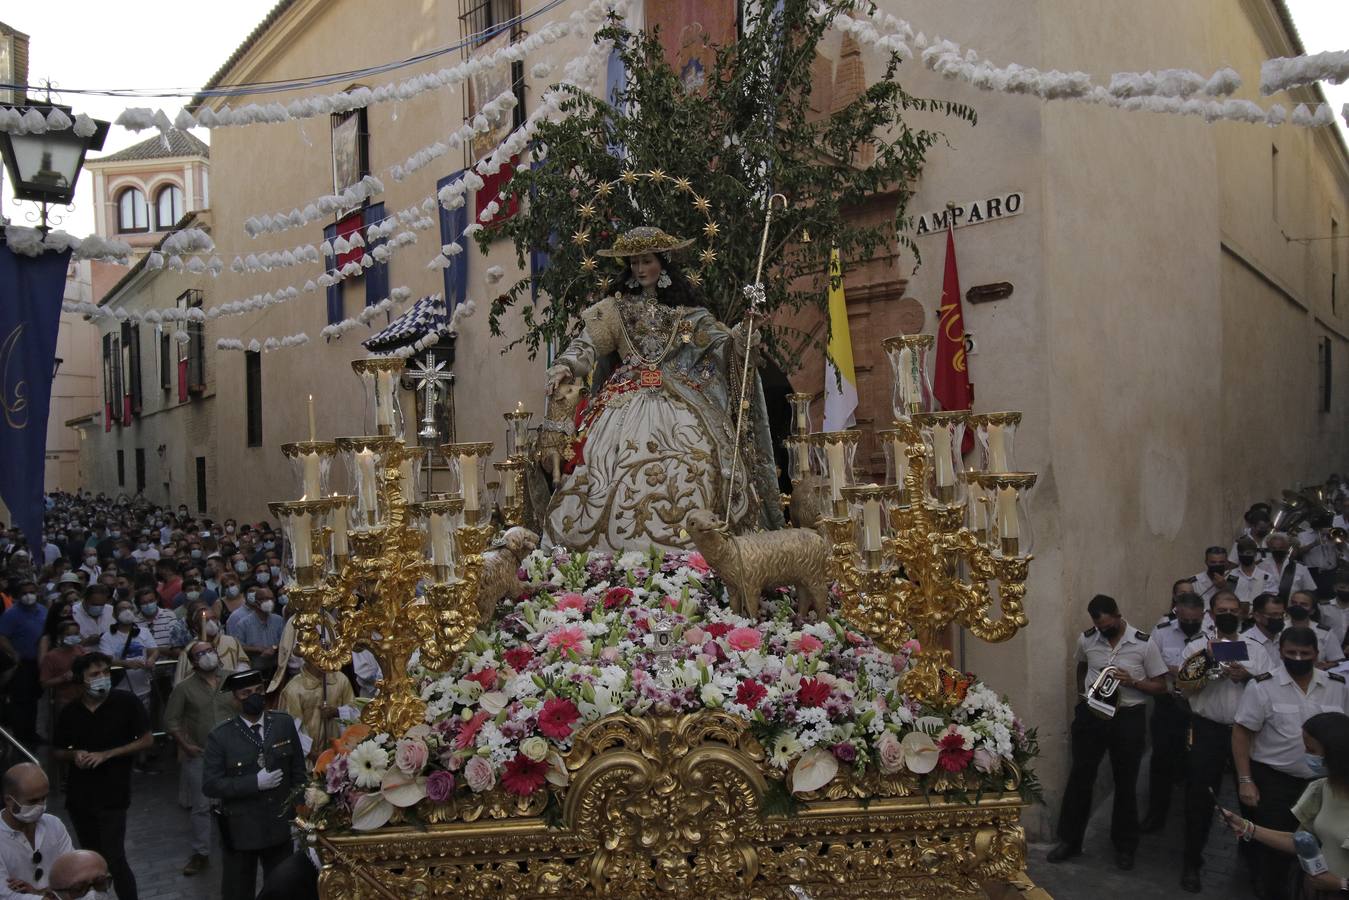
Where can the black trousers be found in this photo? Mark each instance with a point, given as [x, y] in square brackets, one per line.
[1170, 727]
[24, 691]
[239, 871]
[1209, 756]
[1092, 737]
[1278, 792]
[104, 831]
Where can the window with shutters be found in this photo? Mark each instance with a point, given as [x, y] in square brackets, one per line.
[121, 468]
[131, 349]
[192, 352]
[253, 396]
[489, 25]
[201, 484]
[1324, 370]
[140, 470]
[166, 360]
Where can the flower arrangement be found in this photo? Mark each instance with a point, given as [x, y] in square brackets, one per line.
[823, 701]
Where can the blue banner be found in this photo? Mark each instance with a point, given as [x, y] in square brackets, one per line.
[31, 289]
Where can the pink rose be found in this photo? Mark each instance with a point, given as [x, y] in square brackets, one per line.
[694, 636]
[410, 756]
[479, 775]
[743, 638]
[891, 753]
[986, 762]
[807, 643]
[439, 787]
[572, 601]
[609, 655]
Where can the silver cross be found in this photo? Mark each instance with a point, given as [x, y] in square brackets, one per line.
[429, 378]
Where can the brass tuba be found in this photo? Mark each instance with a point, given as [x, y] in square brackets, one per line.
[1103, 695]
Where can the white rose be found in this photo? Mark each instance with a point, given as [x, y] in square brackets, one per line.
[536, 748]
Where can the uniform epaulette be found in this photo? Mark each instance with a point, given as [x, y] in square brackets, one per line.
[1232, 580]
[1165, 623]
[1335, 676]
[1089, 632]
[1192, 579]
[1323, 626]
[1141, 635]
[1264, 677]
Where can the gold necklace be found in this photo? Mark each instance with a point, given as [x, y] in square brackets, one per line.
[647, 362]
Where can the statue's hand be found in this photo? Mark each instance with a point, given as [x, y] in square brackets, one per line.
[558, 375]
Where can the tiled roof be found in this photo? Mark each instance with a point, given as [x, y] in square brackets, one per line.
[180, 143]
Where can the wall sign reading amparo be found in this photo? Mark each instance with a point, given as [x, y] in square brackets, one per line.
[975, 212]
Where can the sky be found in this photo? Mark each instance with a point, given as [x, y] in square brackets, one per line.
[165, 48]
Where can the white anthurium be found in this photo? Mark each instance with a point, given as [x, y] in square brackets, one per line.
[371, 811]
[920, 752]
[816, 768]
[403, 790]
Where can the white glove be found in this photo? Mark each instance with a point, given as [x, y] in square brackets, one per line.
[268, 779]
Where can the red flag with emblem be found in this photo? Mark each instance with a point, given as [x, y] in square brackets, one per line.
[951, 378]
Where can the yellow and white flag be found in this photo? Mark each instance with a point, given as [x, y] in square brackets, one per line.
[840, 381]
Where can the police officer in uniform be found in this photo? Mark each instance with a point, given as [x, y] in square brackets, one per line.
[1110, 643]
[253, 764]
[1213, 708]
[1267, 747]
[1170, 715]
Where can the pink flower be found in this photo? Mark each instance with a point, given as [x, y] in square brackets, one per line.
[853, 637]
[410, 756]
[519, 657]
[523, 776]
[468, 732]
[812, 692]
[485, 677]
[572, 637]
[749, 692]
[891, 753]
[912, 646]
[572, 601]
[616, 597]
[807, 643]
[479, 775]
[670, 602]
[557, 717]
[610, 655]
[694, 636]
[439, 786]
[696, 562]
[986, 762]
[743, 638]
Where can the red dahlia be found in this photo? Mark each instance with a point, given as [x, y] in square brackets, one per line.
[812, 692]
[523, 776]
[954, 757]
[750, 692]
[518, 658]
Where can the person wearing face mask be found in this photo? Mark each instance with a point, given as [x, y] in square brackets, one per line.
[1170, 716]
[1335, 612]
[31, 838]
[169, 581]
[1322, 810]
[80, 875]
[94, 613]
[262, 574]
[231, 595]
[258, 628]
[1289, 574]
[1302, 611]
[1213, 706]
[195, 708]
[132, 647]
[315, 698]
[90, 565]
[1257, 528]
[1268, 612]
[21, 627]
[1267, 748]
[55, 671]
[1214, 577]
[253, 764]
[100, 734]
[206, 627]
[1252, 579]
[1138, 664]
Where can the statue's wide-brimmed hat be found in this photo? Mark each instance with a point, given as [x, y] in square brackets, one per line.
[644, 239]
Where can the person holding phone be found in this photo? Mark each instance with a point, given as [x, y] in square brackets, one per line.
[1323, 808]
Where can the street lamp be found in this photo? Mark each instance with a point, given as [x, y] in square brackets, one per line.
[44, 167]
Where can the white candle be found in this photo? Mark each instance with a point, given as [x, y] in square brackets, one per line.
[407, 480]
[313, 431]
[976, 507]
[900, 449]
[871, 524]
[442, 542]
[834, 454]
[369, 492]
[301, 545]
[508, 485]
[340, 530]
[942, 465]
[311, 476]
[468, 477]
[801, 418]
[384, 399]
[908, 384]
[1008, 524]
[997, 449]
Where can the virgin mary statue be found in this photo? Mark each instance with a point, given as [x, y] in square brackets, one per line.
[657, 438]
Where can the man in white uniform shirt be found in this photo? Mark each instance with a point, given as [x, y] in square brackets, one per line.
[1252, 579]
[30, 837]
[1257, 528]
[93, 614]
[1138, 664]
[1335, 612]
[1302, 611]
[1212, 710]
[1268, 611]
[1214, 577]
[1289, 574]
[1170, 719]
[1267, 749]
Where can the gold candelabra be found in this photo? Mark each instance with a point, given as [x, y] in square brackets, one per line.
[939, 543]
[357, 561]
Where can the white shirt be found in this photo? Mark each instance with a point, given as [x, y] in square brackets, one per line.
[368, 672]
[1217, 700]
[148, 553]
[1171, 641]
[1337, 618]
[1256, 637]
[1205, 588]
[89, 626]
[1274, 707]
[1248, 587]
[1328, 650]
[1319, 550]
[1246, 532]
[142, 642]
[50, 553]
[16, 855]
[1134, 654]
[1302, 579]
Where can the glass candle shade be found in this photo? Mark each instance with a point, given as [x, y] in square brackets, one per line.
[911, 388]
[995, 432]
[438, 518]
[510, 493]
[312, 463]
[410, 459]
[1009, 523]
[380, 375]
[339, 521]
[801, 424]
[869, 508]
[302, 523]
[895, 442]
[834, 453]
[798, 457]
[517, 432]
[468, 478]
[366, 458]
[978, 508]
[944, 434]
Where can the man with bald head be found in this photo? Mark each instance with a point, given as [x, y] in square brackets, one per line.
[30, 837]
[80, 875]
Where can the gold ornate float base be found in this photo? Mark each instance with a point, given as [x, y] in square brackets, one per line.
[675, 807]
